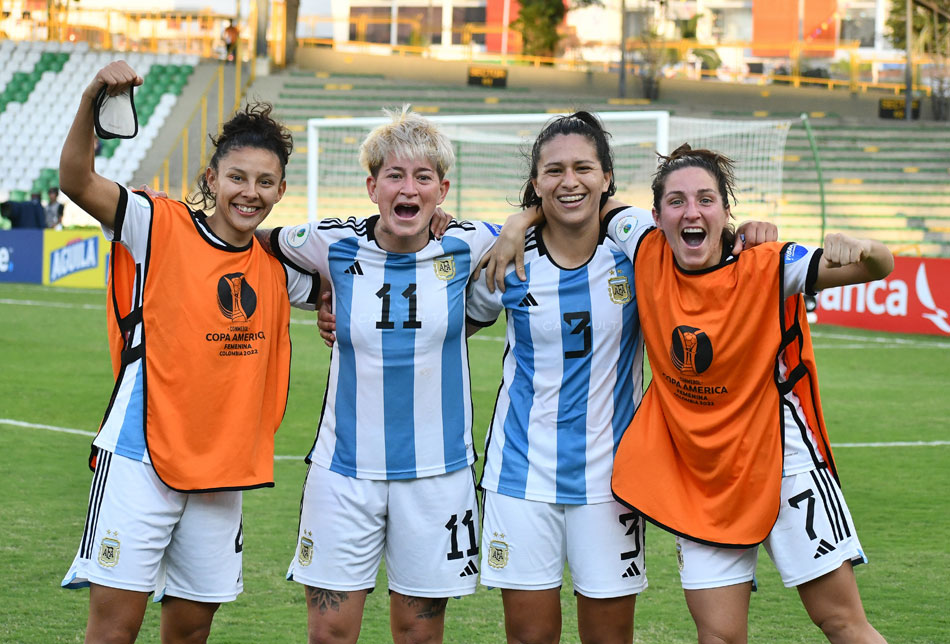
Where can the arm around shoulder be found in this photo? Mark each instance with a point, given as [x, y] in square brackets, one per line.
[847, 260]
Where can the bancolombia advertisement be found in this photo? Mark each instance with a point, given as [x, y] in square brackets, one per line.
[915, 298]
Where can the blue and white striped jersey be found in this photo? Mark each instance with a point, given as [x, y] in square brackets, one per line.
[398, 400]
[572, 375]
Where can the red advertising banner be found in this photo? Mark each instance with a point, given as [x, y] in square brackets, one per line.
[915, 298]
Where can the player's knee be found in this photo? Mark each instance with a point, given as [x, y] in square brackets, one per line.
[722, 636]
[843, 626]
[323, 632]
[419, 620]
[534, 632]
[112, 633]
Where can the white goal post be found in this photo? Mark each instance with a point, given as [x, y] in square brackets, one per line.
[491, 158]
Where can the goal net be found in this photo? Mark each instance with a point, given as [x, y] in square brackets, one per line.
[492, 151]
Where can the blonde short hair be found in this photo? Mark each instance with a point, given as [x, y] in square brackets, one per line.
[409, 136]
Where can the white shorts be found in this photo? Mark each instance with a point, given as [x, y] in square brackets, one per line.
[525, 544]
[141, 535]
[428, 528]
[814, 535]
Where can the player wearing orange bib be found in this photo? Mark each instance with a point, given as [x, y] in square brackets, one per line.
[199, 317]
[728, 448]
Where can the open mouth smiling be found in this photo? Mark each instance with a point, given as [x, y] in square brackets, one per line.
[693, 237]
[406, 211]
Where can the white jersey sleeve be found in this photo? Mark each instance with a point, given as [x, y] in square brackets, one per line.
[483, 306]
[303, 289]
[132, 224]
[305, 246]
[627, 227]
[800, 268]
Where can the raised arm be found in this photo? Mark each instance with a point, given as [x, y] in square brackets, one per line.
[78, 179]
[847, 260]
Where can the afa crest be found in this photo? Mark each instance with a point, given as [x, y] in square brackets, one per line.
[497, 554]
[444, 267]
[305, 556]
[109, 551]
[619, 288]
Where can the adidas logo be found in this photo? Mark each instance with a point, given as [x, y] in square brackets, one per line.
[528, 301]
[632, 571]
[470, 569]
[823, 548]
[355, 269]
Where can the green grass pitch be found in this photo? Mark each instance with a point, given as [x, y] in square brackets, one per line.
[55, 372]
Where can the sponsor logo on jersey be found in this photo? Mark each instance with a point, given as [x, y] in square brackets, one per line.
[619, 288]
[236, 299]
[109, 550]
[470, 569]
[823, 548]
[528, 300]
[354, 269]
[305, 556]
[497, 553]
[444, 267]
[6, 259]
[624, 228]
[794, 252]
[494, 229]
[690, 350]
[631, 571]
[77, 255]
[237, 302]
[298, 236]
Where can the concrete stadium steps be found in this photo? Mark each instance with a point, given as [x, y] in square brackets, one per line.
[889, 181]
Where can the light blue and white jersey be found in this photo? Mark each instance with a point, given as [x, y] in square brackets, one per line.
[123, 428]
[398, 401]
[800, 268]
[572, 375]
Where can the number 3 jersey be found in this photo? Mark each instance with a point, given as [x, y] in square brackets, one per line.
[572, 375]
[398, 400]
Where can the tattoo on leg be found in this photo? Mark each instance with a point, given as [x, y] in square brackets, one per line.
[427, 607]
[324, 600]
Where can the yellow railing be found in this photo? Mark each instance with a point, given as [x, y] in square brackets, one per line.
[198, 33]
[191, 145]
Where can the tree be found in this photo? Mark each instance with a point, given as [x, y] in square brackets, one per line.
[537, 22]
[923, 27]
[931, 31]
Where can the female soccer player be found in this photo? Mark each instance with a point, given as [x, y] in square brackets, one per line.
[573, 375]
[729, 448]
[391, 468]
[201, 320]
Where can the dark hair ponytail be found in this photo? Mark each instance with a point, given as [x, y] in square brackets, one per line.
[252, 127]
[721, 167]
[585, 124]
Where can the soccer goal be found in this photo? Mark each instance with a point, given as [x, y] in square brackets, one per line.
[491, 158]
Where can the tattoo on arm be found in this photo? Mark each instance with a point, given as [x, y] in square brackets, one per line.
[324, 600]
[427, 607]
[263, 236]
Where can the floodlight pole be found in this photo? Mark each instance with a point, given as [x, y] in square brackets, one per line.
[908, 66]
[622, 86]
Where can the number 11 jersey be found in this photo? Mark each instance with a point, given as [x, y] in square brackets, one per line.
[398, 399]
